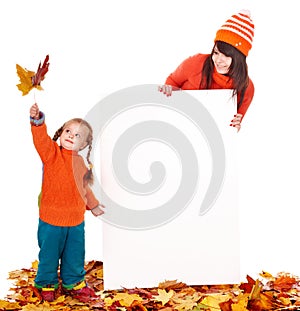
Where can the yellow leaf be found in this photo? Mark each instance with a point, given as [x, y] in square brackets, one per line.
[25, 85]
[34, 264]
[266, 275]
[97, 273]
[60, 299]
[185, 302]
[163, 296]
[213, 301]
[241, 305]
[124, 299]
[255, 290]
[285, 301]
[108, 301]
[6, 305]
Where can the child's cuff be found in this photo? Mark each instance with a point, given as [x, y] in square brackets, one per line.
[38, 121]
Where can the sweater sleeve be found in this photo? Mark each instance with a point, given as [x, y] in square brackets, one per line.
[91, 199]
[43, 143]
[179, 76]
[247, 99]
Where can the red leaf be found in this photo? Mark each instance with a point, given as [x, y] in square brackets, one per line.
[41, 71]
[247, 287]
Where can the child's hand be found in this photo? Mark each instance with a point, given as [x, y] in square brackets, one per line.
[97, 211]
[35, 111]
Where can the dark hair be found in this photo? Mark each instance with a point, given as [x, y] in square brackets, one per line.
[238, 70]
[88, 177]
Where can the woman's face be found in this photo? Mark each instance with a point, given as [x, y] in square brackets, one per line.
[221, 61]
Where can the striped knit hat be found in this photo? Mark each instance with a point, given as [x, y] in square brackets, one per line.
[238, 31]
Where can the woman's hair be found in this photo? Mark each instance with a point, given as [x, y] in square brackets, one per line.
[88, 177]
[238, 70]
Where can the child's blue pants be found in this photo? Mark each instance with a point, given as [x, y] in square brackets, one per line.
[64, 246]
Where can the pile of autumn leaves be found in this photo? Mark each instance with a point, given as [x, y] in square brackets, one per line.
[281, 292]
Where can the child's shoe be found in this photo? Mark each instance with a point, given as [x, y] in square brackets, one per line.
[48, 293]
[81, 291]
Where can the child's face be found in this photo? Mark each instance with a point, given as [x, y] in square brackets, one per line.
[74, 136]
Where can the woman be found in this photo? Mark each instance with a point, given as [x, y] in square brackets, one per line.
[224, 68]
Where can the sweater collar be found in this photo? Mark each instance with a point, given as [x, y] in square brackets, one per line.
[222, 80]
[70, 152]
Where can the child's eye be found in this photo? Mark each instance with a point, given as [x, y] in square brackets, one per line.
[68, 131]
[77, 135]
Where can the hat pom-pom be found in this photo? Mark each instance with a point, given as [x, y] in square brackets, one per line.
[246, 12]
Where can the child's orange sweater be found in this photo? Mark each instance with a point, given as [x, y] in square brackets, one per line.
[64, 197]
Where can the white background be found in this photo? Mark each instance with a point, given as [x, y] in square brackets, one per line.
[98, 47]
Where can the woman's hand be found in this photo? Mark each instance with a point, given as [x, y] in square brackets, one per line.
[167, 89]
[34, 111]
[236, 121]
[97, 211]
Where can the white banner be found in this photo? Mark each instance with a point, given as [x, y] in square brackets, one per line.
[169, 181]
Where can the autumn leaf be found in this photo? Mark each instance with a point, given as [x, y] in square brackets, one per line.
[124, 299]
[35, 264]
[247, 287]
[284, 283]
[141, 292]
[266, 275]
[29, 79]
[256, 289]
[40, 73]
[6, 305]
[201, 307]
[173, 284]
[187, 302]
[226, 305]
[213, 301]
[186, 305]
[25, 85]
[264, 301]
[163, 296]
[241, 304]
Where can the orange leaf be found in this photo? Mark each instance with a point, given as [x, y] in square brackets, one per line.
[171, 284]
[284, 283]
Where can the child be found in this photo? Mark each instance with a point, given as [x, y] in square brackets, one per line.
[65, 196]
[224, 68]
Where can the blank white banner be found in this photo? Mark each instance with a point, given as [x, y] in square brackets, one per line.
[169, 183]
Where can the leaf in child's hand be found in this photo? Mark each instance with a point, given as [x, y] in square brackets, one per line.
[25, 85]
[40, 74]
[30, 79]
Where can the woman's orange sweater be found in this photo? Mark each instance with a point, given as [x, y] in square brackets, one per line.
[188, 74]
[64, 196]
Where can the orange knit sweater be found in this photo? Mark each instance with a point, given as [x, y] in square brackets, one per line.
[64, 197]
[188, 74]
